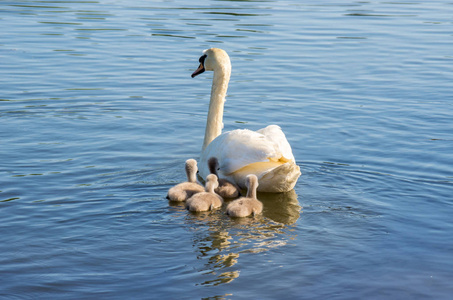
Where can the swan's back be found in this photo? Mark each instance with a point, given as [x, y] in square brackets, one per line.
[265, 153]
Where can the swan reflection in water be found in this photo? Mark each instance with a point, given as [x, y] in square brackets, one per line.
[220, 241]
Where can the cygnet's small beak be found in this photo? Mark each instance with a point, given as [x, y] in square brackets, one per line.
[198, 71]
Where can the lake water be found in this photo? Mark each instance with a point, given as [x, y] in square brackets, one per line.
[98, 115]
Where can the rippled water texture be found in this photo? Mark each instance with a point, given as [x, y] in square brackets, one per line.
[98, 115]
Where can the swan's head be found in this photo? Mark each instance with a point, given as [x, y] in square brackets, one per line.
[212, 60]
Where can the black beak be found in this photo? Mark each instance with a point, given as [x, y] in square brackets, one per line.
[201, 67]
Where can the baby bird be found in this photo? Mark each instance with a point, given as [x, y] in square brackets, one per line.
[207, 200]
[249, 205]
[226, 188]
[185, 190]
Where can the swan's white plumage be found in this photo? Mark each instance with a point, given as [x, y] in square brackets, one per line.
[238, 148]
[281, 145]
[265, 152]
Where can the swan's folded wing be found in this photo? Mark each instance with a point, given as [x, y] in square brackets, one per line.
[238, 148]
[274, 133]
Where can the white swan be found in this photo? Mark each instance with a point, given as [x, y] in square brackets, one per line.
[185, 190]
[265, 153]
[207, 200]
[248, 205]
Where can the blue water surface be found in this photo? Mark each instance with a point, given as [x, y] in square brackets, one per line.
[98, 114]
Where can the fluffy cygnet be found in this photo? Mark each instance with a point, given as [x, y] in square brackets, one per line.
[207, 200]
[249, 205]
[226, 188]
[185, 190]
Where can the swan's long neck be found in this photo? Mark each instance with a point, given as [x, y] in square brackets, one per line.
[214, 124]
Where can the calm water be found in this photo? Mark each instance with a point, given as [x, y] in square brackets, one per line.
[98, 114]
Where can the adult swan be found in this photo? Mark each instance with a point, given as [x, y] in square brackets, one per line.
[265, 153]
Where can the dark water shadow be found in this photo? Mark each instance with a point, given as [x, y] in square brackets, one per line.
[282, 207]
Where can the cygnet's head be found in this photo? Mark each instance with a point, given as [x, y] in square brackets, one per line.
[212, 60]
[211, 182]
[191, 169]
[251, 181]
[191, 165]
[213, 165]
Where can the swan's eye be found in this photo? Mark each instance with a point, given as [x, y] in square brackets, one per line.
[202, 58]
